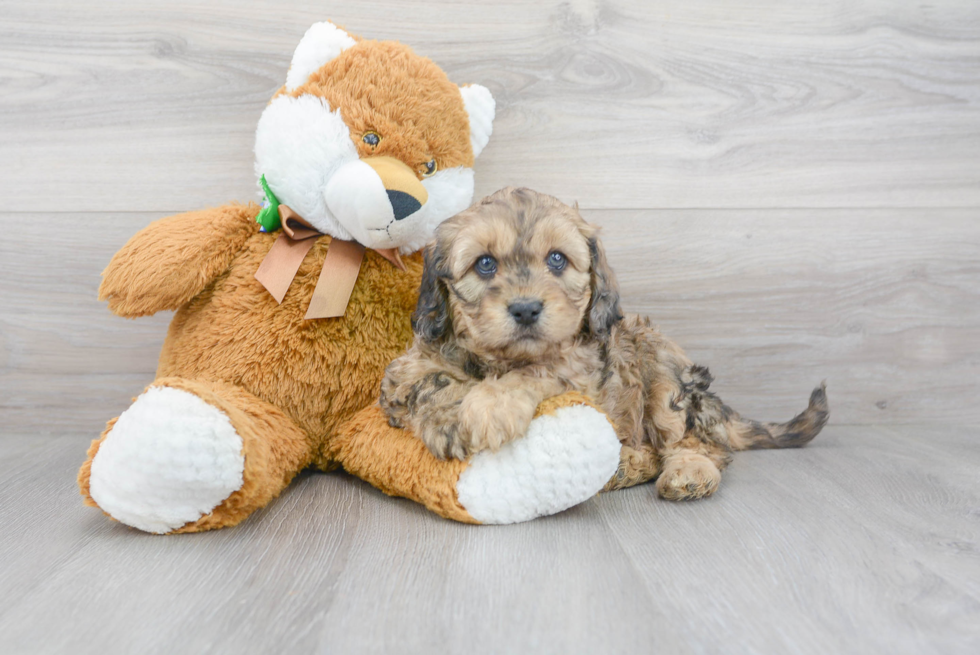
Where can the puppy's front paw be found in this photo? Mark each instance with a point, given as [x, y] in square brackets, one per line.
[688, 476]
[444, 440]
[490, 416]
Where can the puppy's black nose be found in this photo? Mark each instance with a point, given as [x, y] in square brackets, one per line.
[403, 204]
[526, 312]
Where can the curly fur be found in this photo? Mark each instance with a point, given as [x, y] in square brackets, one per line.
[474, 374]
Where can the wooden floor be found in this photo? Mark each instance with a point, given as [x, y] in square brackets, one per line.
[791, 190]
[866, 542]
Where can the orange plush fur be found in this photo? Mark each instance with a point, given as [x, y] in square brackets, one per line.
[287, 384]
[390, 90]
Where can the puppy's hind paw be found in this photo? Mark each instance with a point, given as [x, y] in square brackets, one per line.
[688, 476]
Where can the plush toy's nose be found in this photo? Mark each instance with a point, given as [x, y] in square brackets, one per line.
[402, 204]
[405, 193]
[369, 196]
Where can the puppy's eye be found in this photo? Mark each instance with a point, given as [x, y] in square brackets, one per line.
[429, 168]
[485, 266]
[556, 261]
[371, 138]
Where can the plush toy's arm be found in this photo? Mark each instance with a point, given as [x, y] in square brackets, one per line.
[171, 260]
[570, 451]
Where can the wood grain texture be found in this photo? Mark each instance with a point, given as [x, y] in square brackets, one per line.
[791, 191]
[883, 304]
[864, 542]
[115, 106]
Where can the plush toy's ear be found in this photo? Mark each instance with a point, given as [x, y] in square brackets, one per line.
[321, 43]
[481, 108]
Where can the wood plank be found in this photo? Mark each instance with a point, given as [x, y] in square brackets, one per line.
[883, 304]
[67, 364]
[856, 544]
[865, 541]
[111, 106]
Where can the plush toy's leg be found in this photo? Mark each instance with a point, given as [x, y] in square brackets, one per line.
[399, 464]
[189, 456]
[569, 453]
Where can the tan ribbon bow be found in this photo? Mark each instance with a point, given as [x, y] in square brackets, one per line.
[337, 277]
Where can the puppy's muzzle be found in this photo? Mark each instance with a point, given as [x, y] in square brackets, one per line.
[525, 312]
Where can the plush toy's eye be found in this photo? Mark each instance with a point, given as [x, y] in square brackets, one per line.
[429, 168]
[371, 138]
[556, 261]
[486, 266]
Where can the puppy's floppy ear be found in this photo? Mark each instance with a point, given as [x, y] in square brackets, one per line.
[604, 309]
[431, 318]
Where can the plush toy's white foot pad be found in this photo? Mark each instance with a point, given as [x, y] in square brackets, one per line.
[170, 459]
[564, 459]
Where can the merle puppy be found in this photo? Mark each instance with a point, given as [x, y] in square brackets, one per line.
[518, 304]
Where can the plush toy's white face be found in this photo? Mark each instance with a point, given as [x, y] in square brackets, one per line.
[371, 142]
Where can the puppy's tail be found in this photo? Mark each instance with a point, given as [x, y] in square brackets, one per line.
[746, 434]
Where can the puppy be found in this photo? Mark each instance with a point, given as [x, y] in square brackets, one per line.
[518, 304]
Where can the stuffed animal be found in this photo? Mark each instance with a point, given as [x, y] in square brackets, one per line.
[287, 314]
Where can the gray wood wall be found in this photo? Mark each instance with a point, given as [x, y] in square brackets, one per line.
[792, 190]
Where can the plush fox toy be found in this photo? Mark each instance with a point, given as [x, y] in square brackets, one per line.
[287, 314]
